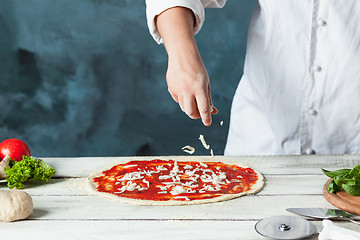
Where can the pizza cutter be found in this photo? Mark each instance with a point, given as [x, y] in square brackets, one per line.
[285, 227]
[290, 227]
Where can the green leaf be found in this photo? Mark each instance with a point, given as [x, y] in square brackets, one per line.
[29, 168]
[332, 187]
[43, 172]
[355, 173]
[345, 179]
[352, 189]
[332, 174]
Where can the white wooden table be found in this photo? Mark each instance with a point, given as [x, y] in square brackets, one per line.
[64, 210]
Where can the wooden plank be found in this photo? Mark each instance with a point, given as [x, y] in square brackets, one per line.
[83, 166]
[274, 185]
[294, 184]
[92, 207]
[129, 230]
[105, 230]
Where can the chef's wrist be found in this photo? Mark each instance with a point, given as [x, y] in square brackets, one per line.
[184, 53]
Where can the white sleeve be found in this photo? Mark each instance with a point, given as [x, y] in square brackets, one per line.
[155, 7]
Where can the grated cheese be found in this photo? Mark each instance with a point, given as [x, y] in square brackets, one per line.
[178, 190]
[164, 177]
[180, 197]
[187, 167]
[175, 169]
[161, 168]
[202, 139]
[188, 149]
[131, 176]
[203, 164]
[129, 166]
[147, 182]
[163, 188]
[189, 190]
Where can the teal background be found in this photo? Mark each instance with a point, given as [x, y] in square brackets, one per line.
[85, 78]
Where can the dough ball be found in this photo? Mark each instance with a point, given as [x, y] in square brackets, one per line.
[15, 205]
[4, 164]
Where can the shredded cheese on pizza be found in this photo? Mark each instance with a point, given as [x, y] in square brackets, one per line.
[163, 180]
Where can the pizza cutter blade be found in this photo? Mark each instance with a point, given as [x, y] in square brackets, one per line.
[285, 227]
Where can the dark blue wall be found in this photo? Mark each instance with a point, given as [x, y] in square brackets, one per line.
[85, 78]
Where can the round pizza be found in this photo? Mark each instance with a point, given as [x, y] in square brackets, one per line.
[169, 182]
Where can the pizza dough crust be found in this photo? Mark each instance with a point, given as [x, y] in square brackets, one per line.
[92, 189]
[15, 205]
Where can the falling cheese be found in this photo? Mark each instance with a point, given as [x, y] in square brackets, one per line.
[188, 149]
[202, 139]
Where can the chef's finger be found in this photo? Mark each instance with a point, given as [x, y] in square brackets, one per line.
[190, 107]
[213, 109]
[181, 103]
[174, 96]
[203, 103]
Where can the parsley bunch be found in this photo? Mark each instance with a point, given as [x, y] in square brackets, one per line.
[29, 168]
[344, 179]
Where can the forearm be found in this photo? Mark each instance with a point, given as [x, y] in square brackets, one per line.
[176, 26]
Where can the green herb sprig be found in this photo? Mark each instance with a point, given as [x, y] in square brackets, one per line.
[29, 168]
[344, 180]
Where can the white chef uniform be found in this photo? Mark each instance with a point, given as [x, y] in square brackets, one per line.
[300, 92]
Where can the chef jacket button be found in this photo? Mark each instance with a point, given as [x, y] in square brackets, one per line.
[321, 22]
[312, 112]
[309, 151]
[317, 68]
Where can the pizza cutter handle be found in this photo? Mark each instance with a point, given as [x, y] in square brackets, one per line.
[353, 220]
[331, 231]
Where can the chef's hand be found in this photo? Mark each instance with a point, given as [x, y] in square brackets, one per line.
[187, 78]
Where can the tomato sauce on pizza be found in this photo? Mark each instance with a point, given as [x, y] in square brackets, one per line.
[163, 180]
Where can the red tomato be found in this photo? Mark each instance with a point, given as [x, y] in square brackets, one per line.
[15, 148]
